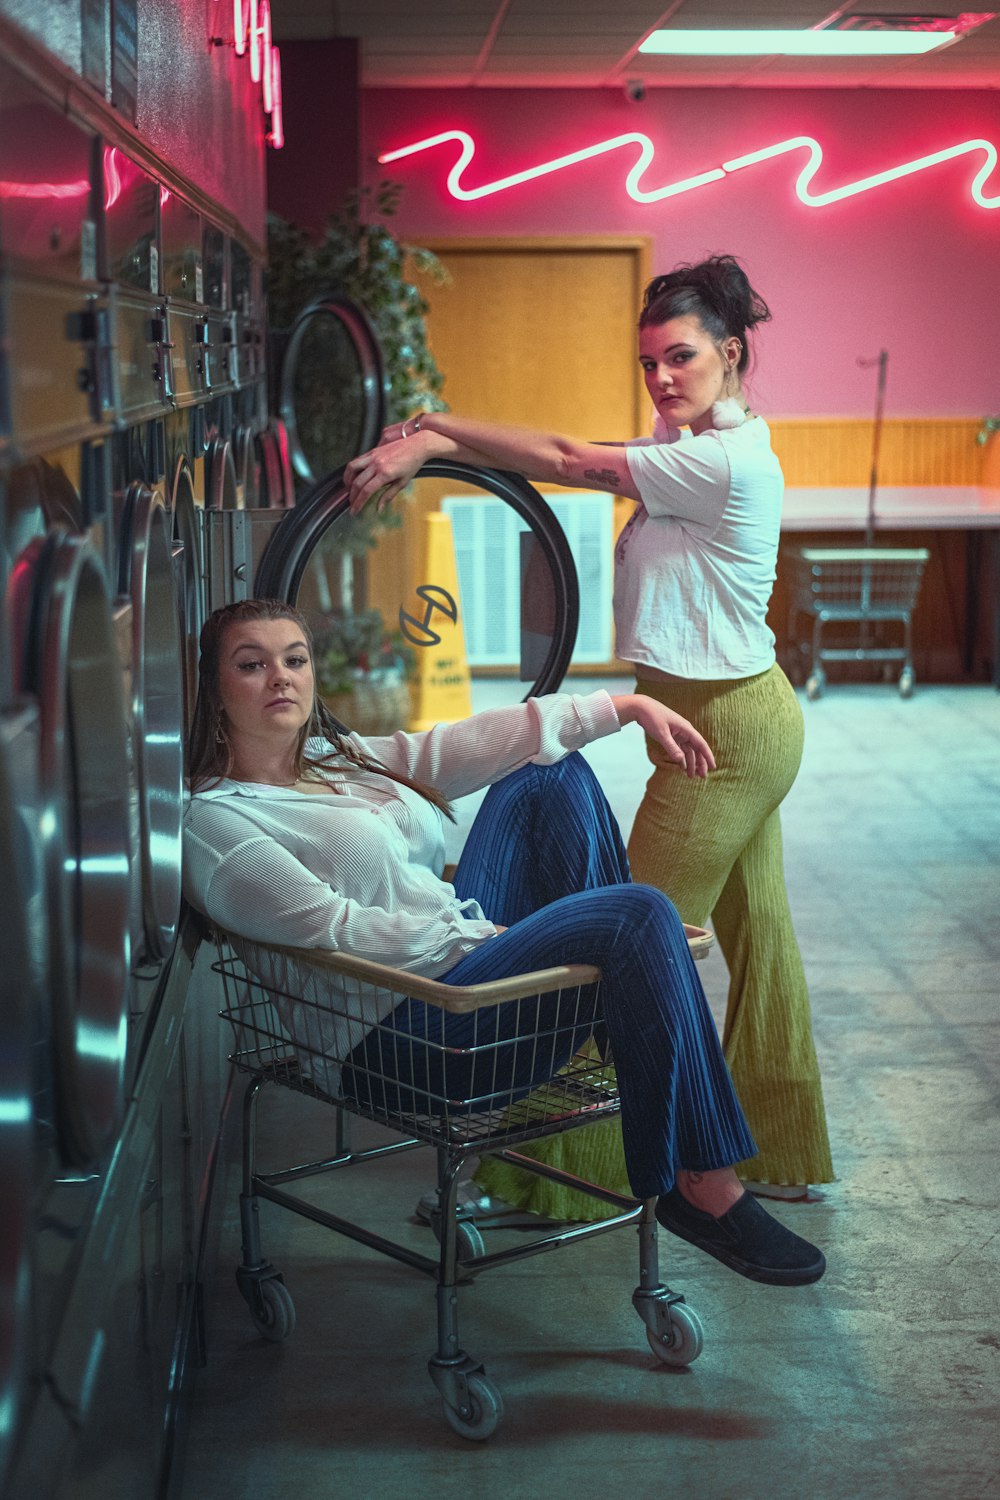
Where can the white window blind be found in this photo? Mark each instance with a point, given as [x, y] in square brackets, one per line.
[487, 535]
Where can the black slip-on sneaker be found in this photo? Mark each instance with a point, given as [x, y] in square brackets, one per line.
[746, 1239]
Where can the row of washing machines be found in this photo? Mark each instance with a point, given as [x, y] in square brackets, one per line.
[133, 399]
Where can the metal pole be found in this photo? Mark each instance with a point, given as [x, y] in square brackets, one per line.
[882, 361]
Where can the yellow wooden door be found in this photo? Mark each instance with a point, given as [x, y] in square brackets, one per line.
[539, 332]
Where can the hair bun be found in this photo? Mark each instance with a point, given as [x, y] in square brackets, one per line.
[726, 286]
[717, 290]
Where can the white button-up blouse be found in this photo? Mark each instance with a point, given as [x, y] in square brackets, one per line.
[359, 870]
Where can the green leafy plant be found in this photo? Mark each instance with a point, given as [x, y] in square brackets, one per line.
[990, 425]
[352, 647]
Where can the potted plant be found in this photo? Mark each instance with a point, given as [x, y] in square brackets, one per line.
[362, 671]
[989, 436]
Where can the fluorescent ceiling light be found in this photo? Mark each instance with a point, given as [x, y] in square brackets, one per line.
[794, 43]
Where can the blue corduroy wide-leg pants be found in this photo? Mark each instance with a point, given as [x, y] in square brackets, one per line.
[545, 858]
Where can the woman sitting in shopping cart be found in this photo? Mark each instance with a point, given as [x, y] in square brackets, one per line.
[300, 834]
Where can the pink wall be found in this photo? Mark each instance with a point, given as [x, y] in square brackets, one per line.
[912, 267]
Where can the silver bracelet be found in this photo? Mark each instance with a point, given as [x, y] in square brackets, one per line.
[416, 425]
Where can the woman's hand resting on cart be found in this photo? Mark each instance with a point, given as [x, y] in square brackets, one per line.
[689, 750]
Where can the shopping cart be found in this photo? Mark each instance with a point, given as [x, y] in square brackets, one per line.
[870, 585]
[297, 1016]
[866, 585]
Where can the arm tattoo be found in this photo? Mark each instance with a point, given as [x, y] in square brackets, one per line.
[609, 477]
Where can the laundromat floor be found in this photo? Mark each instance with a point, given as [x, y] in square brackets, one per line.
[879, 1383]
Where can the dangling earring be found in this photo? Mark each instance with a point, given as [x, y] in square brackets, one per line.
[220, 733]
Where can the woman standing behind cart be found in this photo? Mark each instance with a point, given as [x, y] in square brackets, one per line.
[695, 566]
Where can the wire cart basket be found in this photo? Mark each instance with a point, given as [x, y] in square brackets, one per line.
[863, 585]
[869, 585]
[302, 1019]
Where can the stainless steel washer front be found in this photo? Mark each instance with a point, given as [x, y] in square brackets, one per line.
[221, 489]
[66, 657]
[189, 574]
[22, 970]
[146, 579]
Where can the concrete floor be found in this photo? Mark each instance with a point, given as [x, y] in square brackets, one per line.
[879, 1383]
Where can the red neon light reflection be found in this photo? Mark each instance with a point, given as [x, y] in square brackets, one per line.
[113, 184]
[715, 174]
[44, 189]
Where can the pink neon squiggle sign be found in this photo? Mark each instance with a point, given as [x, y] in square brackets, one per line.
[647, 152]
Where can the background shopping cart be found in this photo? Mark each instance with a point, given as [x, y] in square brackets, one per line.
[867, 586]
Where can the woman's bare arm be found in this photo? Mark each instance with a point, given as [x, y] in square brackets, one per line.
[542, 456]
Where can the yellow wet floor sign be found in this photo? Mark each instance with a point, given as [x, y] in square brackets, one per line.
[442, 691]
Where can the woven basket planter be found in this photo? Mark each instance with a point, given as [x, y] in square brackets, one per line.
[377, 703]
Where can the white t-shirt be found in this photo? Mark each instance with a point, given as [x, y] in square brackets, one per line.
[695, 564]
[359, 870]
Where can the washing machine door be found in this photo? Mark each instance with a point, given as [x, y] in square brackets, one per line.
[66, 658]
[189, 575]
[274, 466]
[247, 473]
[222, 491]
[476, 557]
[146, 579]
[332, 347]
[22, 972]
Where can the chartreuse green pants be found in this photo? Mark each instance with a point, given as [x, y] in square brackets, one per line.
[714, 847]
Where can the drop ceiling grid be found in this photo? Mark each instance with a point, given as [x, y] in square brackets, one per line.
[590, 43]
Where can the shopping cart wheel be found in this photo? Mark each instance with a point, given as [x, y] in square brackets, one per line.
[480, 1417]
[684, 1341]
[470, 1241]
[815, 683]
[907, 678]
[270, 1303]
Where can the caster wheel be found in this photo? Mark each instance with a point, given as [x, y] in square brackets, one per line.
[277, 1320]
[907, 679]
[815, 683]
[483, 1414]
[684, 1342]
[470, 1242]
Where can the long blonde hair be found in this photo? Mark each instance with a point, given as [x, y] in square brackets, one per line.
[210, 754]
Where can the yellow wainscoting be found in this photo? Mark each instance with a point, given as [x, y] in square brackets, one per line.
[838, 450]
